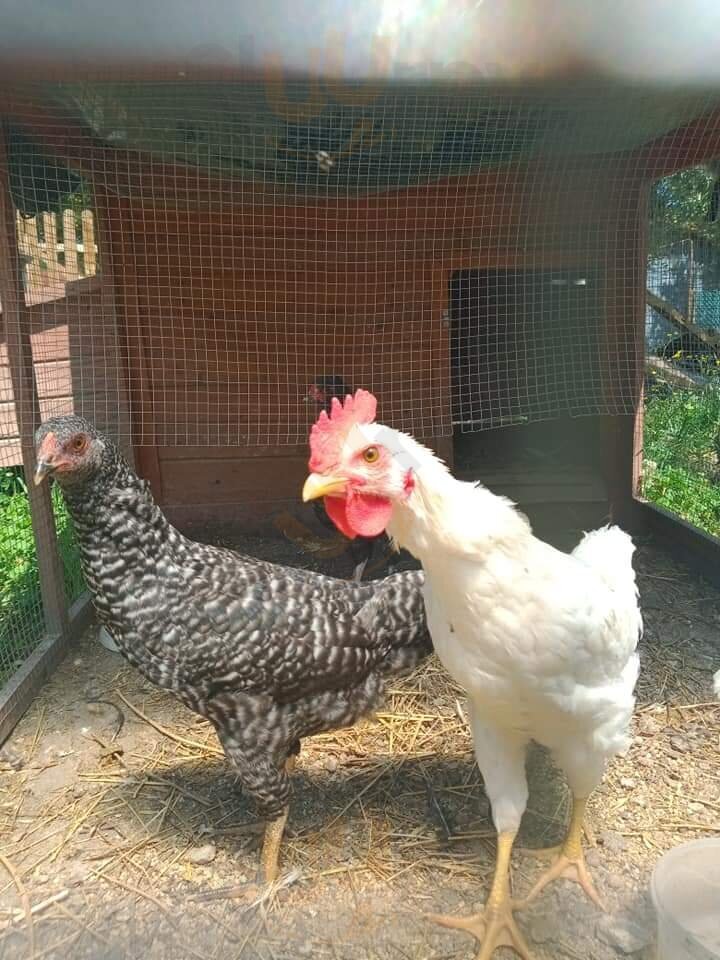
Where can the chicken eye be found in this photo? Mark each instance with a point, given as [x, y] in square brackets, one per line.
[371, 455]
[79, 443]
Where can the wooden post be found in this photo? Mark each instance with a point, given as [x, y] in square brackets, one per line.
[88, 239]
[51, 242]
[17, 329]
[691, 284]
[70, 245]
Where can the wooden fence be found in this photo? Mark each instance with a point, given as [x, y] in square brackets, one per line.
[54, 252]
[59, 259]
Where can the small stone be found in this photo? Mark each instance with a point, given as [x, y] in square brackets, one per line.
[542, 928]
[648, 725]
[695, 807]
[613, 842]
[331, 764]
[624, 933]
[628, 783]
[305, 949]
[615, 881]
[78, 790]
[13, 759]
[77, 874]
[201, 855]
[593, 858]
[679, 744]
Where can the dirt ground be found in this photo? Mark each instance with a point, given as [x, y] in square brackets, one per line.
[122, 825]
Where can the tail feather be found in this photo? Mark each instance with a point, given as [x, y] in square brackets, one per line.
[609, 552]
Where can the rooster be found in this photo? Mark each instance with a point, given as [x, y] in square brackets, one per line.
[268, 654]
[543, 642]
[362, 550]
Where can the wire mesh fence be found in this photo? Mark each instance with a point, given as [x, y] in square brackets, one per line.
[49, 258]
[190, 260]
[681, 465]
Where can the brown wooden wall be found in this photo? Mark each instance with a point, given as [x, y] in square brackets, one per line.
[230, 295]
[228, 300]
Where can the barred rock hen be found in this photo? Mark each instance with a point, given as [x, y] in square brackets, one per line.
[543, 642]
[268, 654]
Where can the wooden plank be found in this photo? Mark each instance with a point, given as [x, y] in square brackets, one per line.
[17, 333]
[47, 406]
[18, 693]
[88, 239]
[684, 540]
[53, 378]
[51, 239]
[10, 453]
[70, 245]
[573, 486]
[6, 394]
[225, 452]
[233, 480]
[118, 254]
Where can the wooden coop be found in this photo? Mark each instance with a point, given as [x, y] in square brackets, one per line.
[185, 247]
[474, 255]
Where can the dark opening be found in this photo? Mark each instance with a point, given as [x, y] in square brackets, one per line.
[525, 355]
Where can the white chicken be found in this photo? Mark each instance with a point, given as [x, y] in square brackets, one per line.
[543, 642]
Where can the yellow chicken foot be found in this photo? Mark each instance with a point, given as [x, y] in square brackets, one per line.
[569, 863]
[270, 855]
[495, 925]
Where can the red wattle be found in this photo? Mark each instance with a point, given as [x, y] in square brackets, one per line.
[359, 514]
[336, 509]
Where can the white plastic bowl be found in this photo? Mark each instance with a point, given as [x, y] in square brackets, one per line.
[685, 888]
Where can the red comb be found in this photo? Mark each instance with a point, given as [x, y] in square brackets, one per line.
[329, 432]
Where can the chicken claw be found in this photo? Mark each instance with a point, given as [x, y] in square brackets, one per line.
[495, 925]
[569, 860]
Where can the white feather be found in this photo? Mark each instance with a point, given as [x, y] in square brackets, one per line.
[543, 642]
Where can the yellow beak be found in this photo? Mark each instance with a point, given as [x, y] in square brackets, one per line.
[319, 486]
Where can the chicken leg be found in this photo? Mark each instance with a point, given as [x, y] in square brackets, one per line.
[569, 859]
[270, 854]
[495, 925]
[274, 832]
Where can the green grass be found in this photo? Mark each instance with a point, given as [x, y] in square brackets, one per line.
[681, 469]
[21, 617]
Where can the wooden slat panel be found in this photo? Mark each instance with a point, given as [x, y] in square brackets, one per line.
[53, 378]
[49, 407]
[232, 480]
[10, 453]
[6, 393]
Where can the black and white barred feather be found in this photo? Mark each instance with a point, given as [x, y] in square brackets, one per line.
[269, 654]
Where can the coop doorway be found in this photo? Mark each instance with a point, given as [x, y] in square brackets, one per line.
[527, 390]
